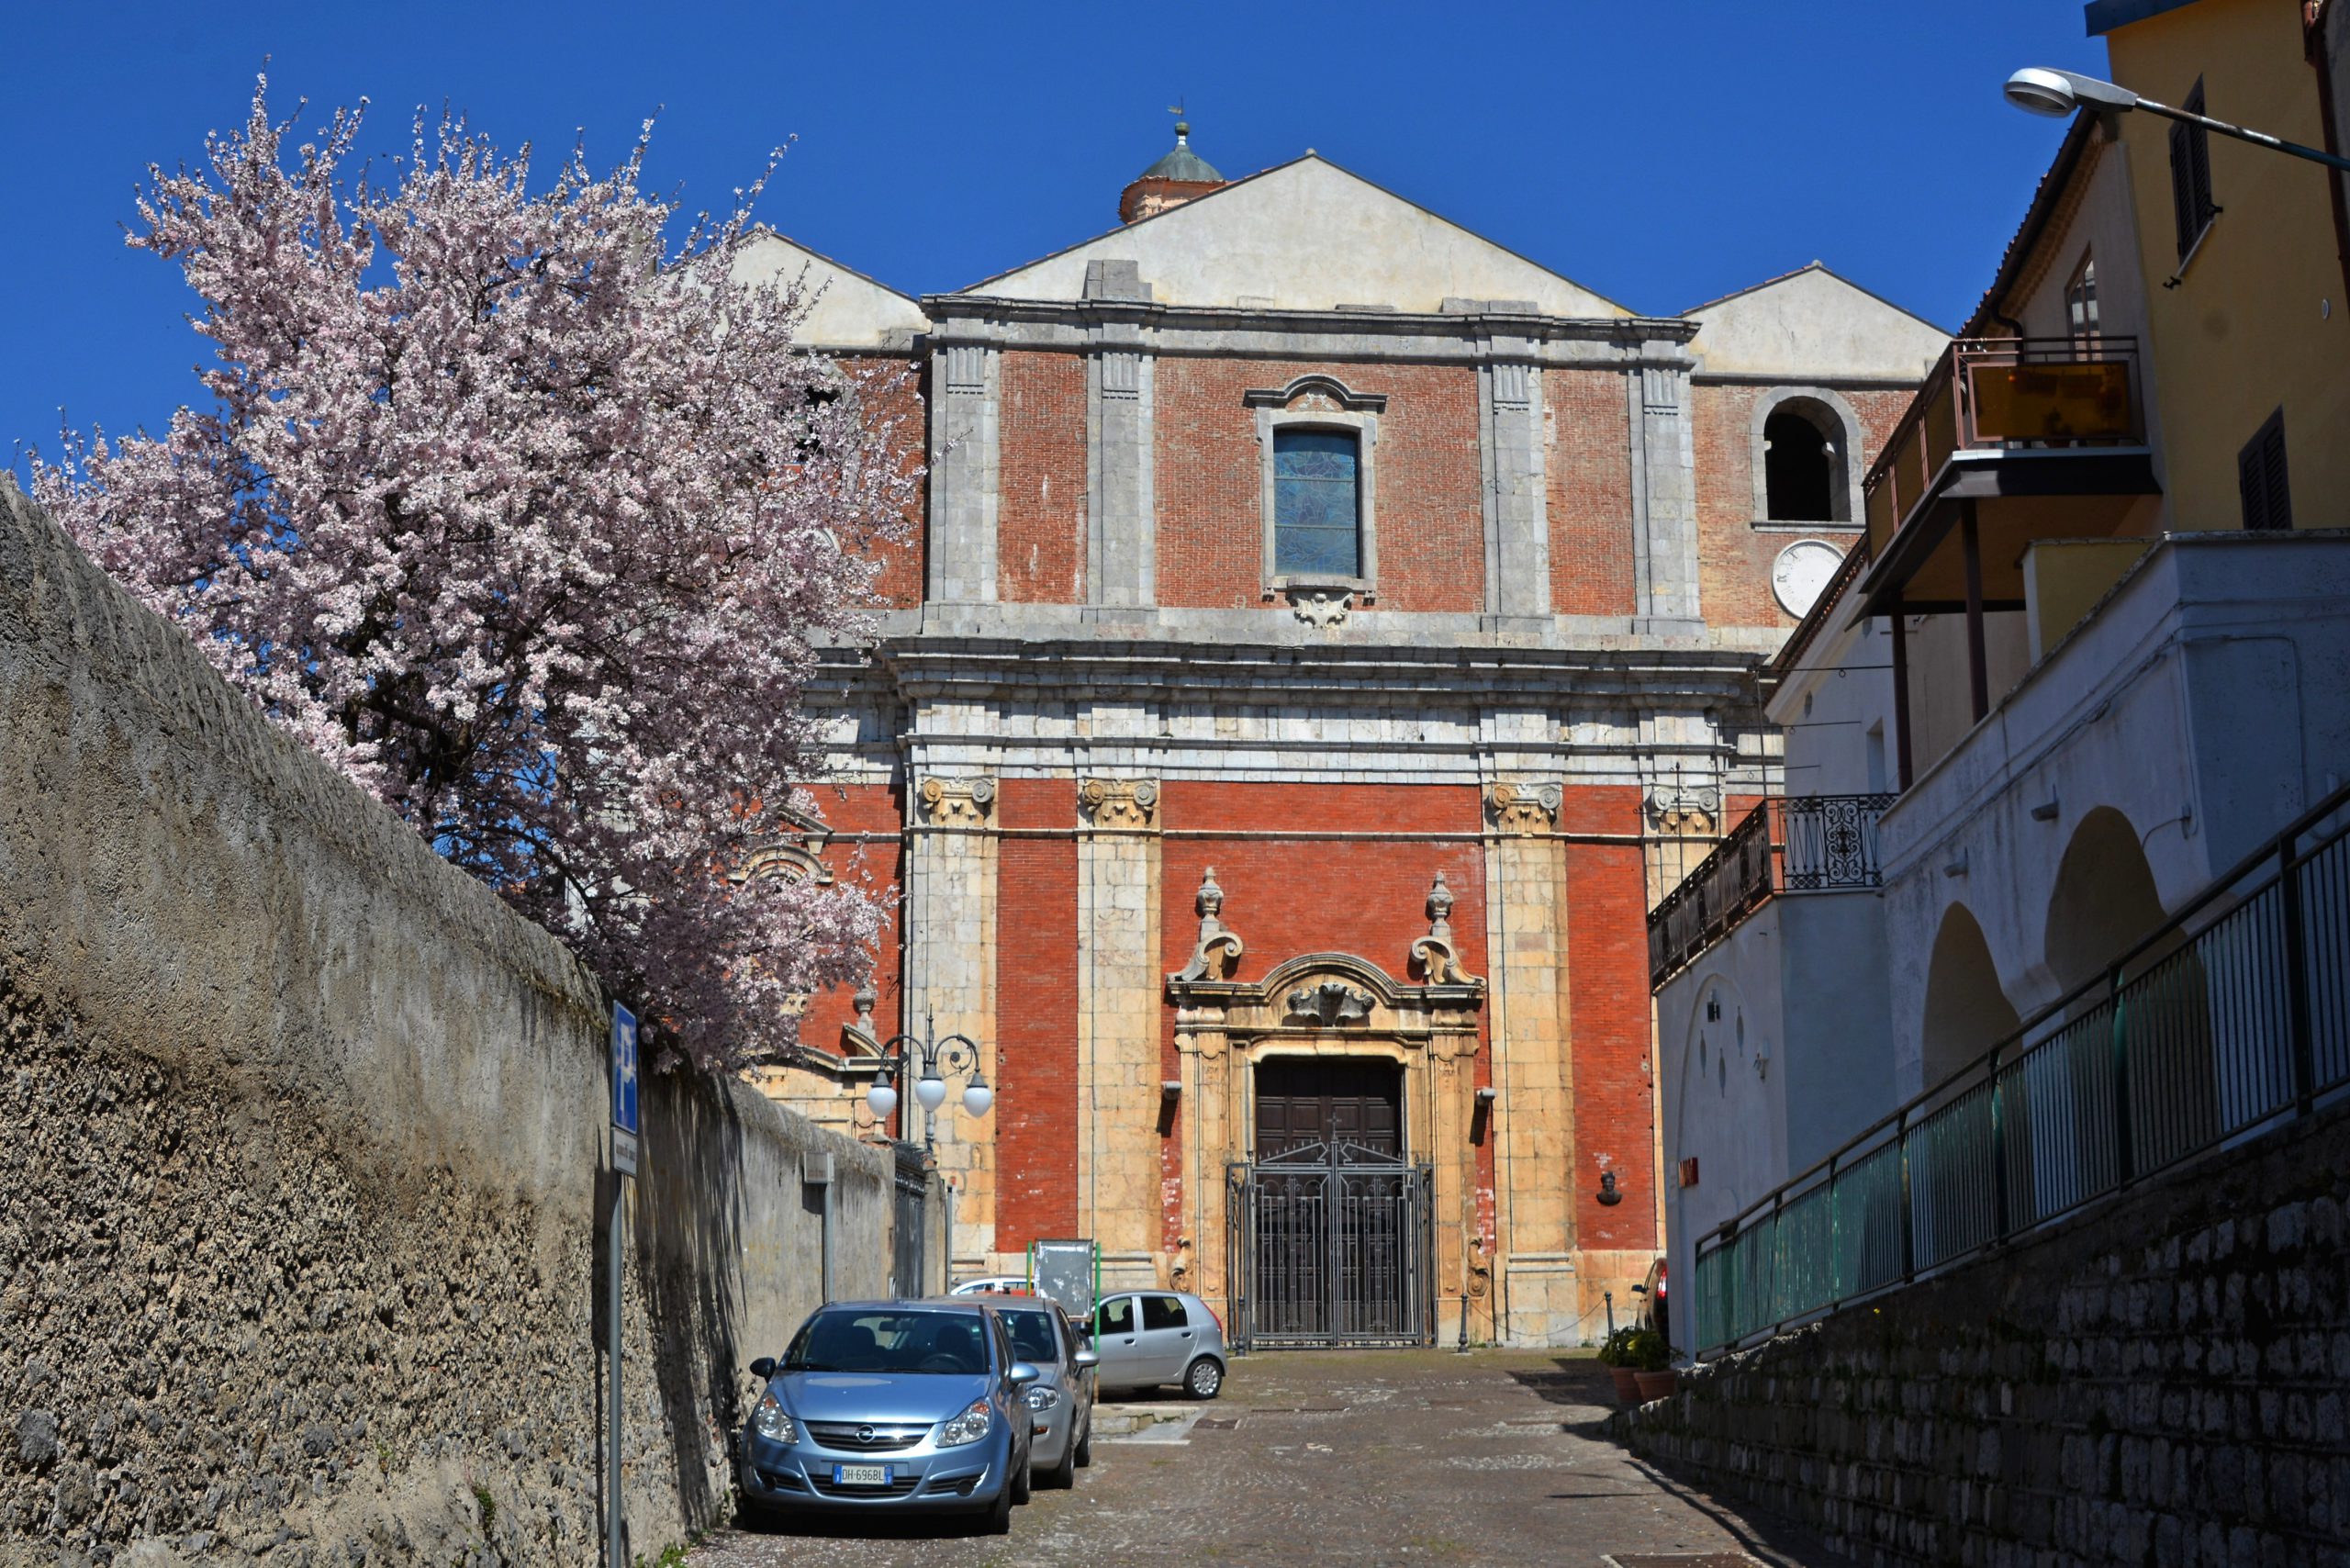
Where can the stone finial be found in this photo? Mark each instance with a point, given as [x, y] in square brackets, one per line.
[1524, 809]
[956, 802]
[1435, 953]
[1219, 948]
[1123, 805]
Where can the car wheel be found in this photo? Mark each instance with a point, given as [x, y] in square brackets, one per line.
[1062, 1476]
[1203, 1379]
[1083, 1452]
[1023, 1482]
[997, 1520]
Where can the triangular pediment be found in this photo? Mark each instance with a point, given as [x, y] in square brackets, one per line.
[1307, 235]
[847, 309]
[1812, 324]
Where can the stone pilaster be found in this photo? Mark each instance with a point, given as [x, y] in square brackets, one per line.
[950, 925]
[1664, 500]
[1118, 1013]
[1517, 526]
[964, 459]
[1121, 532]
[1533, 1120]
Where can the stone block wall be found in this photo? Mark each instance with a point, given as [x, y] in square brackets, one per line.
[301, 1139]
[2162, 1380]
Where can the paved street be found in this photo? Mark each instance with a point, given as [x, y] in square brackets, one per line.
[1359, 1458]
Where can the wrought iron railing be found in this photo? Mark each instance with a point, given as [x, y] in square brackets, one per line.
[2005, 392]
[2234, 1017]
[1801, 844]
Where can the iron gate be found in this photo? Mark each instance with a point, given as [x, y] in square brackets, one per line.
[906, 1222]
[1331, 1244]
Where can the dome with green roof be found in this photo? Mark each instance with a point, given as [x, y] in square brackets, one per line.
[1175, 179]
[1182, 163]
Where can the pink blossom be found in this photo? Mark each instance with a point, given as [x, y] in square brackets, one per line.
[532, 525]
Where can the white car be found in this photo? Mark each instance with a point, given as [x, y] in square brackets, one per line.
[994, 1284]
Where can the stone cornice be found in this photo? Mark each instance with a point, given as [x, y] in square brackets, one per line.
[1230, 330]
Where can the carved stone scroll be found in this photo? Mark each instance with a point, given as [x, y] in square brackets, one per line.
[1524, 808]
[957, 802]
[1437, 958]
[1125, 804]
[1331, 1003]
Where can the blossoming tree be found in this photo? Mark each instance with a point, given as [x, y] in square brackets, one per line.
[532, 522]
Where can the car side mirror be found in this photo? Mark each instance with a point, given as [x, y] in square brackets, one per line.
[1023, 1375]
[764, 1368]
[1085, 1359]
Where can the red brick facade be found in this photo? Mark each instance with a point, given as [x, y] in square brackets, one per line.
[1427, 504]
[1040, 549]
[1036, 1067]
[1588, 472]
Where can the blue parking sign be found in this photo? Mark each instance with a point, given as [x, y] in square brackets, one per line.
[624, 1070]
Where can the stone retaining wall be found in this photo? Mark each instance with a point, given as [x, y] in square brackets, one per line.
[2162, 1380]
[301, 1136]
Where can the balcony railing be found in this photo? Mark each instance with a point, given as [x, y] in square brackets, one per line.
[2016, 394]
[2233, 1016]
[1803, 844]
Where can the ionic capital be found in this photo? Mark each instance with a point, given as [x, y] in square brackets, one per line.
[956, 802]
[1524, 808]
[1127, 805]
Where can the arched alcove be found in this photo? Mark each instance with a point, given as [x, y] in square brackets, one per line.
[2104, 904]
[1804, 441]
[2103, 901]
[1967, 1011]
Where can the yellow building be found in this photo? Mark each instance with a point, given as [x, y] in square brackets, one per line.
[2241, 248]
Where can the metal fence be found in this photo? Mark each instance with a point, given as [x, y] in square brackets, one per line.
[1801, 844]
[2233, 1017]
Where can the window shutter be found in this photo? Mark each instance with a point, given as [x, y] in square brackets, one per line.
[2190, 175]
[2261, 477]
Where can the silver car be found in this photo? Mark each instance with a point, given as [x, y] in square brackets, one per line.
[1061, 1402]
[1147, 1338]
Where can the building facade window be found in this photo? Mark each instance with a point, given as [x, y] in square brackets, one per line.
[2190, 175]
[2260, 476]
[1317, 503]
[2080, 305]
[1804, 441]
[1319, 445]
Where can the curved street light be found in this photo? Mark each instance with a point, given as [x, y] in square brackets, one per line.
[2043, 90]
[953, 1054]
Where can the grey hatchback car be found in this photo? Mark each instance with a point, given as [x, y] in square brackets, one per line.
[893, 1406]
[1149, 1338]
[1061, 1402]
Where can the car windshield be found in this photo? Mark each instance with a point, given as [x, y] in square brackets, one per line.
[1031, 1333]
[887, 1341]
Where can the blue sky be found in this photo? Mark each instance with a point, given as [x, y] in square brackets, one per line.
[1663, 154]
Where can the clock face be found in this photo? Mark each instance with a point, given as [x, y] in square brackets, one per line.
[1802, 570]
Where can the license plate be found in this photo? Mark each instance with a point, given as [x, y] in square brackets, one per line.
[861, 1474]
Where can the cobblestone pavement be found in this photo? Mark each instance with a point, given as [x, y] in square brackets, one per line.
[1355, 1458]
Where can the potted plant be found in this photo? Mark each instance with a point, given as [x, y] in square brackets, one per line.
[1615, 1355]
[1652, 1361]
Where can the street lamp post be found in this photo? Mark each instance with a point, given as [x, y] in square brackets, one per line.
[935, 1057]
[2040, 90]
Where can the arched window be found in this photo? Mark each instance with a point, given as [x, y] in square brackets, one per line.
[1317, 503]
[1802, 467]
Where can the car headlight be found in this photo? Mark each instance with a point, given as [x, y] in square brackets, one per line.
[1042, 1398]
[769, 1421]
[968, 1427]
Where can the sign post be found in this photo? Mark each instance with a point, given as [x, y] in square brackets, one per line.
[625, 1131]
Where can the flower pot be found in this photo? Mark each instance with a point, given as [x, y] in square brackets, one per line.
[1655, 1385]
[1628, 1388]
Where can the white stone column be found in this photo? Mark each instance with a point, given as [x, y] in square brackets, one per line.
[968, 379]
[1119, 987]
[950, 924]
[1517, 518]
[1533, 1125]
[1120, 496]
[1664, 500]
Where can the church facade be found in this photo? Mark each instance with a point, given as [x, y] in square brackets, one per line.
[1327, 634]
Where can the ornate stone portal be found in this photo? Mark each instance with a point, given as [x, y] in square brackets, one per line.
[1328, 1004]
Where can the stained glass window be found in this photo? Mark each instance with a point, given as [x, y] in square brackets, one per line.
[1317, 504]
